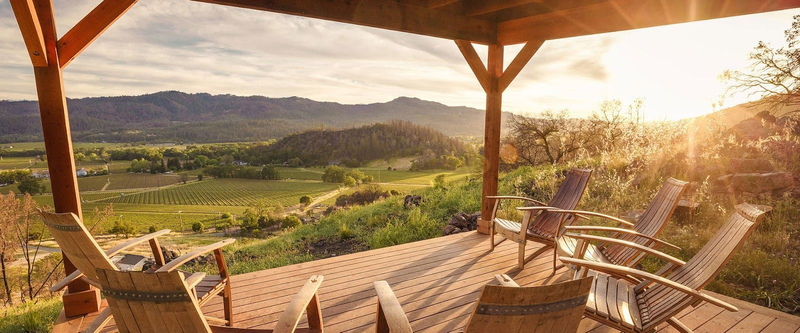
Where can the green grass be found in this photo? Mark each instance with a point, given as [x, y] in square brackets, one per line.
[228, 192]
[34, 317]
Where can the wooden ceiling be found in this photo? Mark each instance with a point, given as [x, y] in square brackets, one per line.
[508, 22]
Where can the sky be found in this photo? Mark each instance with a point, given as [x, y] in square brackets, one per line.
[196, 47]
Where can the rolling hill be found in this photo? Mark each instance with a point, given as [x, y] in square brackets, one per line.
[177, 116]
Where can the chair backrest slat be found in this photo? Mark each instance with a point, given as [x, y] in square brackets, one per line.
[550, 308]
[77, 243]
[700, 270]
[652, 222]
[567, 196]
[157, 302]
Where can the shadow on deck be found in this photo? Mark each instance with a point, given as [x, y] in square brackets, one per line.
[437, 281]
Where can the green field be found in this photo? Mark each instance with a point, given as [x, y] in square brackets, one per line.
[379, 175]
[228, 192]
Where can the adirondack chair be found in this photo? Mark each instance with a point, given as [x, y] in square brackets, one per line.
[539, 224]
[83, 251]
[504, 308]
[164, 302]
[643, 233]
[661, 296]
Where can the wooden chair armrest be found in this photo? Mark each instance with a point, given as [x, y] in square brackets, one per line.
[513, 197]
[66, 281]
[172, 265]
[505, 280]
[302, 301]
[100, 321]
[649, 276]
[585, 214]
[194, 279]
[391, 317]
[622, 231]
[533, 208]
[114, 250]
[631, 245]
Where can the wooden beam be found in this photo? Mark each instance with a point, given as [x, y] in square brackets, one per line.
[480, 7]
[89, 28]
[28, 22]
[56, 131]
[491, 140]
[519, 63]
[475, 63]
[384, 14]
[432, 4]
[619, 15]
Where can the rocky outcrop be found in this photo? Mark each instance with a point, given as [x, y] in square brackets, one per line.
[461, 222]
[774, 183]
[749, 165]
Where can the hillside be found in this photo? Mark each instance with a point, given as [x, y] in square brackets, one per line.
[177, 116]
[365, 143]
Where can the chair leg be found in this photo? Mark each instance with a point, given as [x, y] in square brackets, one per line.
[227, 304]
[521, 263]
[491, 233]
[678, 325]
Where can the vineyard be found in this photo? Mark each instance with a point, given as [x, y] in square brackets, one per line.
[227, 192]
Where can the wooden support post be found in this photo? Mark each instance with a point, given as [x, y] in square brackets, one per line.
[494, 81]
[58, 145]
[491, 140]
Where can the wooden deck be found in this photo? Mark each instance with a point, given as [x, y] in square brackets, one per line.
[437, 281]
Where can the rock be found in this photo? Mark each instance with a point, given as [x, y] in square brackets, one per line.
[749, 165]
[752, 129]
[168, 254]
[757, 183]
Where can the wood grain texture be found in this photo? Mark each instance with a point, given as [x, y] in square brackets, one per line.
[436, 281]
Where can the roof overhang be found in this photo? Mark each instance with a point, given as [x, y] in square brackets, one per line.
[509, 22]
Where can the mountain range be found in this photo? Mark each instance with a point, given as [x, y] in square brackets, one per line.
[172, 116]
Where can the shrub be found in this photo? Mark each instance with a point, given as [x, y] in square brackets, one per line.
[366, 195]
[345, 232]
[200, 177]
[349, 181]
[31, 186]
[291, 221]
[122, 228]
[151, 229]
[198, 227]
[438, 182]
[225, 216]
[305, 200]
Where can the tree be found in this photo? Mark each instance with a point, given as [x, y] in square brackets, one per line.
[305, 200]
[31, 185]
[773, 78]
[291, 221]
[548, 139]
[198, 227]
[333, 174]
[184, 178]
[8, 244]
[270, 173]
[349, 181]
[122, 228]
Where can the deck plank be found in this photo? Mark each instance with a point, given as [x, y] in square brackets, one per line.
[437, 282]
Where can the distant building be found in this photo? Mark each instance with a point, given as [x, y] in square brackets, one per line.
[43, 174]
[240, 163]
[334, 162]
[81, 173]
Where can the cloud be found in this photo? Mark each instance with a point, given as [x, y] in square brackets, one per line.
[198, 47]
